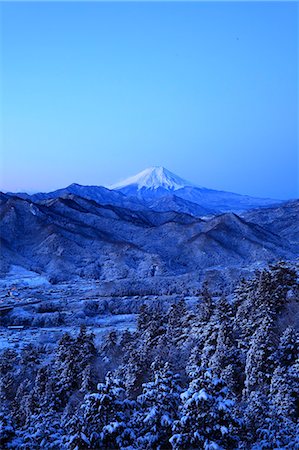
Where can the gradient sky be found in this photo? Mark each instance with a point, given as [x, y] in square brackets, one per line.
[95, 92]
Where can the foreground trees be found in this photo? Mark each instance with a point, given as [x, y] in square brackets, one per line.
[220, 374]
[158, 409]
[206, 415]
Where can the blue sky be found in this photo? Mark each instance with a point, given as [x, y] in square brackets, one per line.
[95, 92]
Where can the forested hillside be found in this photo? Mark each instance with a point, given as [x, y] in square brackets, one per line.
[222, 374]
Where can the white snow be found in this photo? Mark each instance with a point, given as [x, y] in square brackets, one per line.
[151, 415]
[166, 420]
[33, 209]
[153, 182]
[200, 396]
[154, 178]
[224, 430]
[23, 277]
[111, 427]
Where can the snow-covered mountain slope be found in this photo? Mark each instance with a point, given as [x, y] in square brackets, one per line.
[158, 189]
[280, 219]
[99, 194]
[153, 178]
[157, 182]
[71, 237]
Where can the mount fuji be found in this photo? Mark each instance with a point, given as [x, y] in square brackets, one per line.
[153, 178]
[158, 188]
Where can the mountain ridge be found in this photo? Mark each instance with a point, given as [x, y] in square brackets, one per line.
[72, 237]
[157, 182]
[158, 189]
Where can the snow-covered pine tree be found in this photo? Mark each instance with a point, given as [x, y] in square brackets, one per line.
[260, 357]
[144, 318]
[8, 361]
[225, 362]
[281, 423]
[74, 438]
[148, 344]
[177, 322]
[206, 298]
[265, 294]
[207, 415]
[126, 339]
[43, 431]
[288, 348]
[255, 411]
[7, 429]
[72, 357]
[105, 417]
[159, 404]
[134, 370]
[205, 305]
[214, 329]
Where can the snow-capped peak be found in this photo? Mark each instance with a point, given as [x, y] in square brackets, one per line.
[154, 178]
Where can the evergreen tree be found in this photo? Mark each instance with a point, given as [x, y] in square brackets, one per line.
[280, 426]
[205, 305]
[225, 362]
[260, 357]
[158, 409]
[7, 430]
[135, 369]
[74, 355]
[105, 417]
[207, 417]
[266, 294]
[43, 431]
[177, 322]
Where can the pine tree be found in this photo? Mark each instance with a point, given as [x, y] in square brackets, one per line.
[135, 369]
[105, 417]
[205, 306]
[260, 357]
[177, 322]
[207, 418]
[74, 437]
[254, 413]
[288, 348]
[225, 362]
[144, 318]
[158, 409]
[73, 356]
[280, 425]
[266, 294]
[43, 431]
[7, 430]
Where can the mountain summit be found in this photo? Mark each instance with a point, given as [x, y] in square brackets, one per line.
[153, 178]
[158, 188]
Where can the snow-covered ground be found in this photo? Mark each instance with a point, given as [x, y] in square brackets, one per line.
[22, 277]
[19, 338]
[44, 312]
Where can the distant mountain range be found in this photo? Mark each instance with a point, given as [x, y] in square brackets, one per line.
[64, 236]
[158, 189]
[156, 183]
[152, 224]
